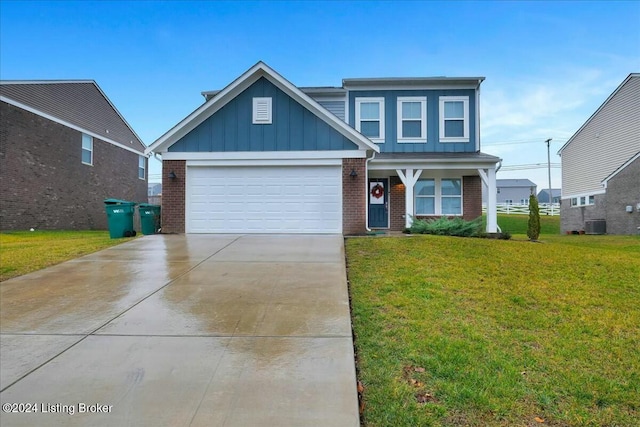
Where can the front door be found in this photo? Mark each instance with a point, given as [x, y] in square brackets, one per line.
[379, 203]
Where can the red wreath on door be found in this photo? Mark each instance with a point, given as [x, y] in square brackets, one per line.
[377, 191]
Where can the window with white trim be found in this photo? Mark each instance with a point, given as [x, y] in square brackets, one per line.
[141, 167]
[425, 194]
[583, 201]
[87, 149]
[454, 119]
[412, 119]
[438, 196]
[262, 111]
[370, 118]
[451, 196]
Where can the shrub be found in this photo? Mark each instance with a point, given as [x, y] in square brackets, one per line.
[533, 227]
[447, 227]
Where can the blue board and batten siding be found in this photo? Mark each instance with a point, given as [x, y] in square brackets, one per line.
[293, 128]
[433, 144]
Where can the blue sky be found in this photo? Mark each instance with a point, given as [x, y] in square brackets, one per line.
[548, 65]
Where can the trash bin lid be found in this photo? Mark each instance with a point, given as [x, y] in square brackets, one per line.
[148, 205]
[118, 202]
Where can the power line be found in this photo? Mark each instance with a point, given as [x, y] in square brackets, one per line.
[518, 142]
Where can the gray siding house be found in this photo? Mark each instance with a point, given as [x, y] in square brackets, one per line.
[600, 166]
[513, 191]
[543, 195]
[64, 148]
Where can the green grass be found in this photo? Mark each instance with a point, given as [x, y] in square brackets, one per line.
[22, 252]
[497, 333]
[517, 224]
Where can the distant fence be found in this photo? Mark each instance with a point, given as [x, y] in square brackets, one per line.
[155, 200]
[511, 209]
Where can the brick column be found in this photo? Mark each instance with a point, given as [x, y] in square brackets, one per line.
[472, 197]
[354, 197]
[397, 203]
[173, 196]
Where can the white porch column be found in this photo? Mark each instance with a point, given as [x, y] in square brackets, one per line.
[409, 179]
[488, 177]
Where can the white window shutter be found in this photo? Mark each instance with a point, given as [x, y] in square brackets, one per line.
[262, 111]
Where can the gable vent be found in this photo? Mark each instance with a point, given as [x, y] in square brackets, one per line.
[261, 111]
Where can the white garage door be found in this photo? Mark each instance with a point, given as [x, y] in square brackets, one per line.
[265, 199]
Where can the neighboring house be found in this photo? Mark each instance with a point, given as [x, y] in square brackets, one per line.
[543, 195]
[155, 194]
[513, 191]
[64, 148]
[601, 169]
[154, 189]
[265, 156]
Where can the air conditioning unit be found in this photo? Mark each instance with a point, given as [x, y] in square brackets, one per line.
[595, 226]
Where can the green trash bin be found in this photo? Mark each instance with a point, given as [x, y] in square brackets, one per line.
[149, 218]
[120, 218]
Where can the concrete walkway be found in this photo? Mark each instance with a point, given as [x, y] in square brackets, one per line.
[183, 330]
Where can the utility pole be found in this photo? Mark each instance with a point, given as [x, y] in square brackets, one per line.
[548, 141]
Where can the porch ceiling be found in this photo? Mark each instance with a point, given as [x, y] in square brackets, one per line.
[476, 160]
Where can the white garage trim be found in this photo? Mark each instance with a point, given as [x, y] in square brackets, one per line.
[266, 162]
[261, 155]
[263, 199]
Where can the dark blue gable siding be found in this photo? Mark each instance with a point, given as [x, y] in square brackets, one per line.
[293, 128]
[433, 144]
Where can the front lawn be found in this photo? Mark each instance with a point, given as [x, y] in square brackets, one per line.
[22, 252]
[478, 332]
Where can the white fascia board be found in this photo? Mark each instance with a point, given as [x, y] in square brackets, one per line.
[238, 85]
[590, 193]
[620, 169]
[264, 155]
[202, 113]
[70, 125]
[422, 164]
[265, 162]
[407, 86]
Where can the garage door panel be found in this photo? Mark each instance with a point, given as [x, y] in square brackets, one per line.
[264, 199]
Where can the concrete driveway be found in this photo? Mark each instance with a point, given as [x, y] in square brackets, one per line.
[183, 330]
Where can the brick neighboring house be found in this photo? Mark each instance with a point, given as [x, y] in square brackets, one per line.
[265, 156]
[64, 148]
[601, 167]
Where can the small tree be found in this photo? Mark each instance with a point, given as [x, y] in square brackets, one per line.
[533, 227]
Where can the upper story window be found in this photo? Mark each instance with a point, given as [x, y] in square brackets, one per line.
[87, 149]
[454, 119]
[141, 167]
[412, 119]
[370, 118]
[262, 108]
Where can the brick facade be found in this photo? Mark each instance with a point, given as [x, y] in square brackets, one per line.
[624, 190]
[173, 196]
[45, 185]
[397, 204]
[471, 197]
[354, 201]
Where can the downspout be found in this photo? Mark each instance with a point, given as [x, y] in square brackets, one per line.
[366, 185]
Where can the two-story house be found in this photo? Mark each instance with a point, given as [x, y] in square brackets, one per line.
[265, 156]
[64, 148]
